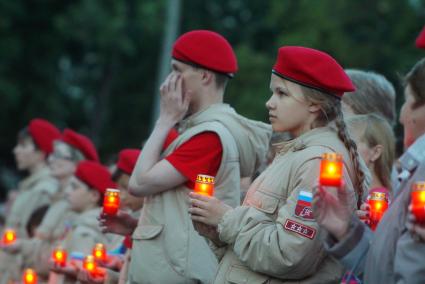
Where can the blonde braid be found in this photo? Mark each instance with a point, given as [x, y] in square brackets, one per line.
[352, 149]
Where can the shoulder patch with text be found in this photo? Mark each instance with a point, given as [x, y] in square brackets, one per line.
[300, 229]
[303, 206]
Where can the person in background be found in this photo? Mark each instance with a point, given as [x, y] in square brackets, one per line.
[373, 94]
[273, 237]
[85, 197]
[117, 269]
[68, 151]
[392, 254]
[35, 143]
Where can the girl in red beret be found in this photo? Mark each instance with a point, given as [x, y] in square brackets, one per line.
[274, 236]
[85, 197]
[35, 142]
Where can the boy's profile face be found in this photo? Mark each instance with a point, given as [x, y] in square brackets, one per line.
[26, 153]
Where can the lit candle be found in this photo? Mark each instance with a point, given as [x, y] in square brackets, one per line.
[331, 170]
[9, 237]
[59, 256]
[204, 185]
[418, 201]
[89, 264]
[378, 205]
[99, 252]
[111, 201]
[29, 276]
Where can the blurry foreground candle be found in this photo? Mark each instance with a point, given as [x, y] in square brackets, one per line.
[418, 201]
[59, 256]
[99, 252]
[111, 201]
[89, 264]
[378, 203]
[29, 276]
[204, 185]
[9, 237]
[331, 170]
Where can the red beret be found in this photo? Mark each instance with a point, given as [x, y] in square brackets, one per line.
[127, 159]
[206, 49]
[81, 143]
[420, 40]
[312, 68]
[95, 176]
[43, 133]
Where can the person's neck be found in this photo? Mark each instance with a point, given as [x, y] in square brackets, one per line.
[36, 168]
[209, 97]
[88, 208]
[375, 180]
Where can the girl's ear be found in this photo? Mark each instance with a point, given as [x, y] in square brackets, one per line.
[313, 108]
[207, 77]
[376, 153]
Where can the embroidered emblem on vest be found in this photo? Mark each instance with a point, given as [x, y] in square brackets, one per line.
[300, 229]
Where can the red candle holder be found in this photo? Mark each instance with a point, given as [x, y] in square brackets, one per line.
[89, 264]
[29, 276]
[99, 252]
[331, 170]
[9, 237]
[378, 203]
[418, 201]
[204, 185]
[111, 201]
[59, 256]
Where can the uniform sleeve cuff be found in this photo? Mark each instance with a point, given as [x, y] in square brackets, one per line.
[339, 249]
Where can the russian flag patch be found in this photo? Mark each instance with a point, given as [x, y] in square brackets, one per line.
[303, 207]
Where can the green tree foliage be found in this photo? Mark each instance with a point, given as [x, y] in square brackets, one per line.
[91, 64]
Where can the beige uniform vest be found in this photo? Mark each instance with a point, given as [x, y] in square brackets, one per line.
[271, 239]
[166, 247]
[35, 191]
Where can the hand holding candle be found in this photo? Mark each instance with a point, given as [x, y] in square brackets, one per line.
[111, 201]
[417, 202]
[29, 276]
[331, 170]
[59, 256]
[204, 185]
[378, 205]
[99, 252]
[89, 264]
[9, 237]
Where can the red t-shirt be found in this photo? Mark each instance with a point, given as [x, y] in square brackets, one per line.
[201, 154]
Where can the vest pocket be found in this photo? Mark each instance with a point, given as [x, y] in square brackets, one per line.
[147, 232]
[241, 275]
[264, 201]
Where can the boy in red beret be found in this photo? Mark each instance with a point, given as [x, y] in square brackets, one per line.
[85, 197]
[213, 140]
[35, 143]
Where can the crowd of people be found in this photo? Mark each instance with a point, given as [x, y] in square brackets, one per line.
[269, 219]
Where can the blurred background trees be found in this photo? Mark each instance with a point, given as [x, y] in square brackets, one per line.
[92, 65]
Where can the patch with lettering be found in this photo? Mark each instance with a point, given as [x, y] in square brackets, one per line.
[303, 206]
[300, 229]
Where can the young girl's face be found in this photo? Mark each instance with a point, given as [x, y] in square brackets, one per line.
[288, 108]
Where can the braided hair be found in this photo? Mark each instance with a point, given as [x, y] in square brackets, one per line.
[331, 111]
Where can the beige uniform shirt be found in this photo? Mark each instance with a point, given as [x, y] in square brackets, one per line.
[85, 233]
[56, 223]
[273, 237]
[166, 247]
[33, 192]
